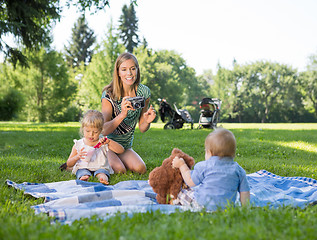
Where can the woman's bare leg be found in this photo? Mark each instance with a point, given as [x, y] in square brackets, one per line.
[127, 160]
[133, 161]
[115, 162]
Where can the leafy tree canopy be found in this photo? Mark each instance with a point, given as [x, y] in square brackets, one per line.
[259, 92]
[30, 23]
[45, 85]
[308, 81]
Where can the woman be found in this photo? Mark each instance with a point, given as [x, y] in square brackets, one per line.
[121, 118]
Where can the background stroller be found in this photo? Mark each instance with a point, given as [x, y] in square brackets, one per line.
[177, 117]
[209, 113]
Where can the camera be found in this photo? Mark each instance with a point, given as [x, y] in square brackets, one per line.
[137, 102]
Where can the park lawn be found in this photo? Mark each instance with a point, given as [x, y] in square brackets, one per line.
[32, 152]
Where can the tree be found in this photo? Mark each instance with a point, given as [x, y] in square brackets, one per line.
[267, 85]
[45, 85]
[260, 92]
[11, 102]
[224, 87]
[129, 27]
[207, 76]
[99, 72]
[30, 23]
[309, 84]
[167, 75]
[79, 50]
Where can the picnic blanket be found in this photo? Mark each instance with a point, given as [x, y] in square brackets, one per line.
[67, 201]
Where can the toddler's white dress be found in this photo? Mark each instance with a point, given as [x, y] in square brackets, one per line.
[98, 160]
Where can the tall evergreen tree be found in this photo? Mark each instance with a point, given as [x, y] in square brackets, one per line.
[99, 72]
[129, 27]
[79, 50]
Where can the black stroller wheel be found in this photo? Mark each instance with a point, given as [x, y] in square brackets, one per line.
[169, 126]
[178, 124]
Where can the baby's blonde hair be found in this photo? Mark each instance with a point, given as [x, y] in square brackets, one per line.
[92, 118]
[221, 142]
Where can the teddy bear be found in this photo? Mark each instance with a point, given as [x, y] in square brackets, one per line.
[167, 181]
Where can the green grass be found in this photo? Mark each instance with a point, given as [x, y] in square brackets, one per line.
[33, 152]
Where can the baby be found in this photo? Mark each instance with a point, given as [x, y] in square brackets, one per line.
[214, 182]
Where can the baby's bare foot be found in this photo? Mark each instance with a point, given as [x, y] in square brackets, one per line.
[84, 178]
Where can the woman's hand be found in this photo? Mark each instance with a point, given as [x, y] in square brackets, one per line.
[149, 115]
[126, 106]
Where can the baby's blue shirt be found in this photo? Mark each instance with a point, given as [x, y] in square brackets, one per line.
[217, 181]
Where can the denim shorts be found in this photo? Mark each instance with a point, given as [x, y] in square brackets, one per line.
[85, 171]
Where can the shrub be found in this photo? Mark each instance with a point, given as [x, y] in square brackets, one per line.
[11, 102]
[72, 114]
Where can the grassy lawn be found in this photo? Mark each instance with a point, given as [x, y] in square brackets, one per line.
[33, 152]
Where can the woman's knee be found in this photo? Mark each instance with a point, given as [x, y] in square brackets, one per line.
[120, 170]
[142, 169]
[139, 168]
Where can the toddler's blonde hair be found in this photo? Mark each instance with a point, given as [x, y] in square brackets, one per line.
[92, 118]
[221, 142]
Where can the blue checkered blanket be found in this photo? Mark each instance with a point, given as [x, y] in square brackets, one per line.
[67, 201]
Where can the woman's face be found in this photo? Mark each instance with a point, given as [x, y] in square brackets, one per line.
[128, 72]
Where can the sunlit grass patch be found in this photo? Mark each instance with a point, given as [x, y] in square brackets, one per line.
[300, 145]
[40, 127]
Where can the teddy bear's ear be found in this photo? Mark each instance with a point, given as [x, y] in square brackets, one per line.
[176, 151]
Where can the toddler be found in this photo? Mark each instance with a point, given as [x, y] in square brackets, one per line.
[87, 160]
[214, 182]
